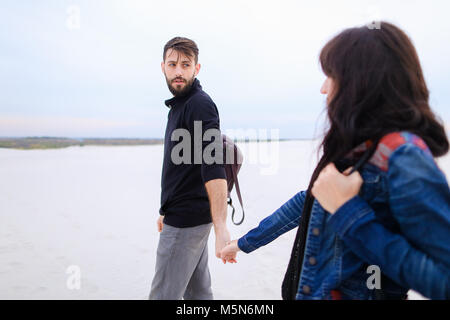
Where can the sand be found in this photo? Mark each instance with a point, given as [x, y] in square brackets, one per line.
[95, 208]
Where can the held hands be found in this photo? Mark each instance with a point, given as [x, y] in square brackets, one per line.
[333, 189]
[229, 252]
[222, 239]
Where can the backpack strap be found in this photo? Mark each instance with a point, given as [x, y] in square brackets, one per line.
[390, 142]
[238, 192]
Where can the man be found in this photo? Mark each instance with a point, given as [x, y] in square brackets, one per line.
[193, 195]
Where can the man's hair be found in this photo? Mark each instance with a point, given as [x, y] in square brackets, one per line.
[183, 45]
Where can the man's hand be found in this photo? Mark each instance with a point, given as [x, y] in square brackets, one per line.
[222, 239]
[333, 189]
[159, 223]
[217, 194]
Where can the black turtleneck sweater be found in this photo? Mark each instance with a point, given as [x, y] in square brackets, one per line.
[184, 201]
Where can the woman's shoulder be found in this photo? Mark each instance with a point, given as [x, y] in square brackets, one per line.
[396, 142]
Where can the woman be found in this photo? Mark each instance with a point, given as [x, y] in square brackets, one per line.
[394, 213]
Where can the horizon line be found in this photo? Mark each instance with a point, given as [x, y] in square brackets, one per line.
[134, 138]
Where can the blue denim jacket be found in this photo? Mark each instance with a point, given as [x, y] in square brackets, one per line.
[400, 222]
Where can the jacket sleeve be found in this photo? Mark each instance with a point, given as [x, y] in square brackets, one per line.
[419, 199]
[281, 221]
[202, 116]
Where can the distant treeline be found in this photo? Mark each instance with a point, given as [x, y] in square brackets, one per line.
[52, 142]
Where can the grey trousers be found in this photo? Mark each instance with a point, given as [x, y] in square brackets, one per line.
[182, 264]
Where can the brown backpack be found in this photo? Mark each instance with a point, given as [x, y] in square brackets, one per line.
[232, 159]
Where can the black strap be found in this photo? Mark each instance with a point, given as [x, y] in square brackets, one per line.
[291, 279]
[238, 192]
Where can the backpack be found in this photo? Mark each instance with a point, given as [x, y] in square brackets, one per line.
[232, 160]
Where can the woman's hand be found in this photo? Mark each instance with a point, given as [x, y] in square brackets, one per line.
[228, 253]
[333, 189]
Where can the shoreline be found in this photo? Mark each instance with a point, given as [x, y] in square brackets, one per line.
[43, 143]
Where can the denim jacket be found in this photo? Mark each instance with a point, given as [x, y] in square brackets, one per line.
[399, 222]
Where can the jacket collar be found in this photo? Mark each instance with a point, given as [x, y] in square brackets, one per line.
[176, 100]
[353, 156]
[358, 151]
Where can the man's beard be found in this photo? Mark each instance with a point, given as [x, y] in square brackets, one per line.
[179, 92]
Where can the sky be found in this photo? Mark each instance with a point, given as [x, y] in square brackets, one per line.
[91, 68]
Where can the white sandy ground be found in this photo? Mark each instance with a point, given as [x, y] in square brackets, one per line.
[96, 208]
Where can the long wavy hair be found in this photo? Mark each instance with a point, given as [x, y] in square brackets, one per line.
[379, 88]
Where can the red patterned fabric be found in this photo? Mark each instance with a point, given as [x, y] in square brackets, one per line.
[389, 143]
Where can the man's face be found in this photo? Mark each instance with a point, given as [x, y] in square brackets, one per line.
[180, 72]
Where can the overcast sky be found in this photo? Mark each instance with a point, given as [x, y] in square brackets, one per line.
[91, 68]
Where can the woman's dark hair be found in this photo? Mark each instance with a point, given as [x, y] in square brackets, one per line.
[378, 88]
